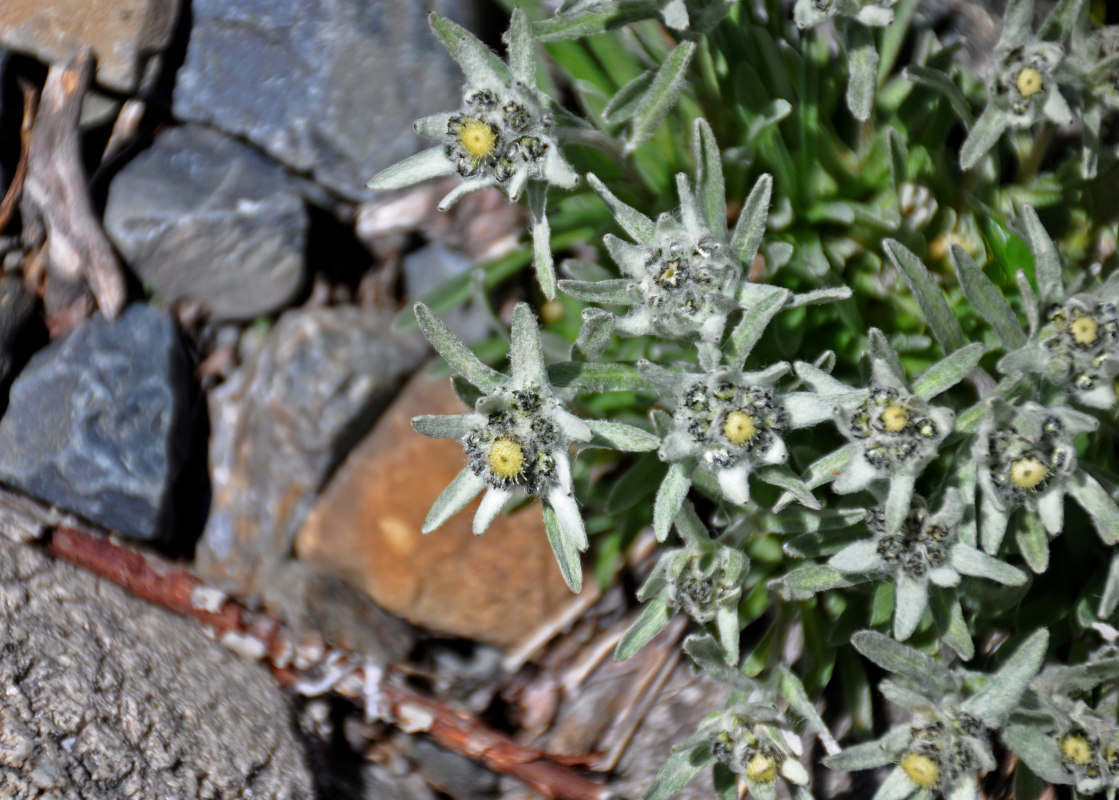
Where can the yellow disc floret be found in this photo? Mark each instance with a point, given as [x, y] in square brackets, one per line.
[921, 769]
[761, 769]
[1028, 82]
[1084, 330]
[478, 139]
[507, 459]
[1026, 473]
[740, 427]
[895, 418]
[1075, 749]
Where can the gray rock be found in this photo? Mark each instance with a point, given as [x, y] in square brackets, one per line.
[201, 215]
[17, 308]
[282, 423]
[98, 423]
[109, 698]
[329, 87]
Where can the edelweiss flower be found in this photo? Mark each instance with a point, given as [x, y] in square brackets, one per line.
[927, 549]
[1025, 456]
[947, 742]
[517, 439]
[750, 740]
[894, 433]
[703, 579]
[1077, 349]
[502, 136]
[1022, 81]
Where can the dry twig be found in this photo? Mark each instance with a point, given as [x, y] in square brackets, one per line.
[56, 205]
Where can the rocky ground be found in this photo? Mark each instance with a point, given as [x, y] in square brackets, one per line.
[196, 354]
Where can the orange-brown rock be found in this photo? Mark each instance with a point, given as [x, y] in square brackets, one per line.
[126, 36]
[366, 524]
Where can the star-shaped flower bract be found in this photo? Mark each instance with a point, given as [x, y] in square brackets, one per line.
[517, 439]
[504, 134]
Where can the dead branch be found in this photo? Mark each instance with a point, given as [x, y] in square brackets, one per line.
[56, 204]
[307, 663]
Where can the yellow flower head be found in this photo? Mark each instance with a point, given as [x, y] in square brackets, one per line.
[761, 769]
[921, 769]
[478, 139]
[1029, 82]
[740, 427]
[1026, 473]
[507, 459]
[1084, 330]
[895, 418]
[1075, 749]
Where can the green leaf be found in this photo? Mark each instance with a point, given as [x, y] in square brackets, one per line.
[987, 300]
[1047, 262]
[904, 660]
[430, 163]
[681, 767]
[710, 186]
[939, 81]
[1038, 750]
[947, 372]
[862, 67]
[651, 621]
[542, 238]
[750, 228]
[566, 551]
[661, 96]
[526, 355]
[594, 336]
[968, 560]
[754, 321]
[627, 101]
[670, 497]
[445, 426]
[793, 691]
[595, 20]
[781, 476]
[635, 484]
[622, 437]
[1005, 688]
[585, 376]
[455, 353]
[479, 64]
[866, 755]
[522, 50]
[941, 321]
[709, 656]
[639, 227]
[610, 292]
[1094, 499]
[805, 581]
[1109, 600]
[983, 135]
[459, 492]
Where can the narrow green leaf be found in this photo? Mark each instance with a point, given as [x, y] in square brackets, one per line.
[622, 437]
[1033, 542]
[947, 372]
[805, 581]
[1005, 688]
[1094, 499]
[595, 20]
[542, 238]
[594, 336]
[967, 560]
[753, 324]
[459, 492]
[522, 50]
[681, 767]
[651, 621]
[584, 376]
[455, 353]
[939, 81]
[987, 300]
[983, 135]
[610, 292]
[903, 660]
[1109, 600]
[941, 321]
[627, 100]
[781, 476]
[566, 551]
[661, 97]
[866, 755]
[478, 63]
[862, 67]
[1038, 750]
[639, 227]
[430, 163]
[793, 690]
[1047, 262]
[670, 497]
[710, 187]
[750, 228]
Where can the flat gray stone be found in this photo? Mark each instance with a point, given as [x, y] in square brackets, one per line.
[106, 697]
[201, 215]
[329, 87]
[97, 423]
[282, 423]
[17, 308]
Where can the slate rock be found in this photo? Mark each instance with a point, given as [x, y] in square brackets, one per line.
[201, 215]
[98, 423]
[17, 309]
[495, 588]
[329, 87]
[282, 423]
[107, 697]
[127, 36]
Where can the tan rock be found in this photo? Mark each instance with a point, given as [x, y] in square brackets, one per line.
[366, 524]
[126, 35]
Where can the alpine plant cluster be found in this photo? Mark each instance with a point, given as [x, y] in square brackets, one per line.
[907, 501]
